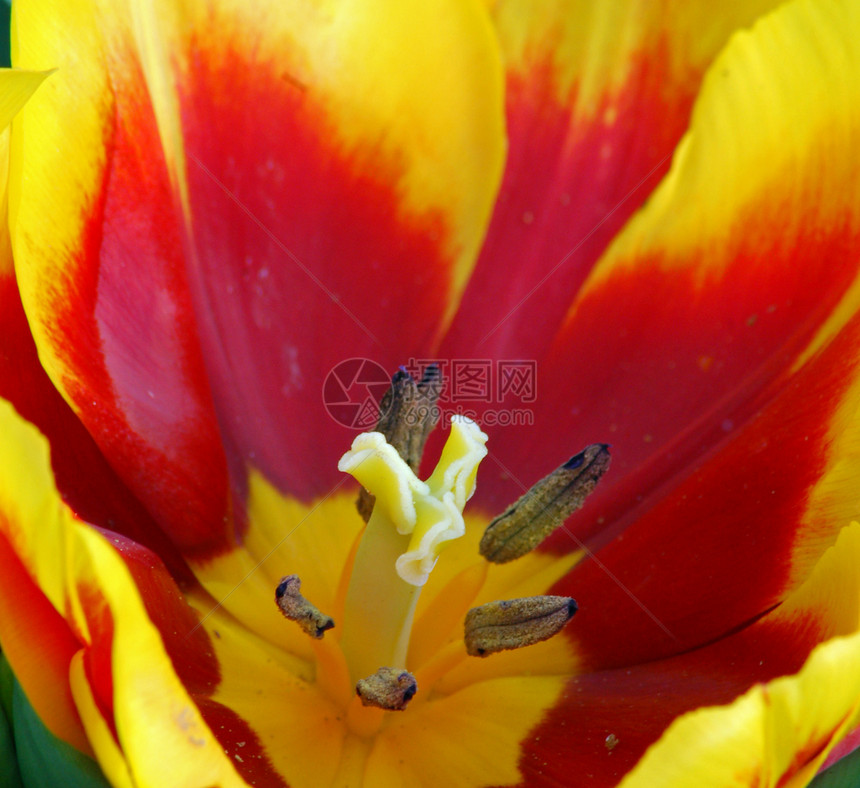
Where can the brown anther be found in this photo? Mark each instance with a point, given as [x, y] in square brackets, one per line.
[296, 608]
[389, 688]
[408, 414]
[545, 506]
[515, 623]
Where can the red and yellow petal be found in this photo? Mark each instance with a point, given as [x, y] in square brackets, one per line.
[98, 257]
[138, 662]
[605, 720]
[40, 645]
[777, 734]
[598, 96]
[720, 288]
[749, 457]
[743, 254]
[736, 532]
[205, 215]
[361, 201]
[87, 483]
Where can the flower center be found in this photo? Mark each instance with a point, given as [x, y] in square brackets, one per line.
[409, 522]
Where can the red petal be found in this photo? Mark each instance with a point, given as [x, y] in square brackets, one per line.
[635, 704]
[87, 483]
[737, 531]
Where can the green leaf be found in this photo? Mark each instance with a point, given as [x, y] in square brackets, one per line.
[7, 681]
[845, 773]
[5, 60]
[9, 774]
[43, 760]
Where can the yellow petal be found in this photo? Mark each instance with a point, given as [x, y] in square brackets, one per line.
[769, 160]
[777, 734]
[16, 87]
[159, 730]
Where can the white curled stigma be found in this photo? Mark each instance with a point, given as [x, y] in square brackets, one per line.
[431, 512]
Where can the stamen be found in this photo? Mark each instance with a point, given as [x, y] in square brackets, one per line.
[545, 506]
[515, 623]
[409, 413]
[389, 688]
[296, 608]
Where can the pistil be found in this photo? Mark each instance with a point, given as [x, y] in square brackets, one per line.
[411, 522]
[380, 605]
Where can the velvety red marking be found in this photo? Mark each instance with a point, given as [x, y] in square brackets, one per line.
[305, 257]
[128, 331]
[638, 703]
[86, 482]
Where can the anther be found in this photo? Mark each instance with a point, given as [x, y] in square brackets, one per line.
[515, 623]
[296, 608]
[389, 688]
[408, 414]
[545, 506]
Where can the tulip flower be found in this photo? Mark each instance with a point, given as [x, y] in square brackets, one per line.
[624, 224]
